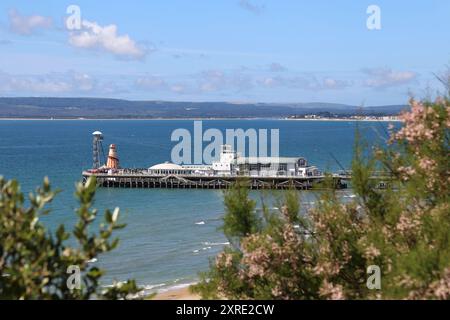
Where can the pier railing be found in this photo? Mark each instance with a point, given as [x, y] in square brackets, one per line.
[137, 178]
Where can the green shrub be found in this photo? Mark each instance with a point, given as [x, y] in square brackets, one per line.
[38, 264]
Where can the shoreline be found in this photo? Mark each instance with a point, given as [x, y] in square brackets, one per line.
[182, 293]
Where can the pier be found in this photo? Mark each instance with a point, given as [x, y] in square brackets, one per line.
[172, 181]
[279, 173]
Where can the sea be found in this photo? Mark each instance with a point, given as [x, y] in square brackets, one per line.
[170, 235]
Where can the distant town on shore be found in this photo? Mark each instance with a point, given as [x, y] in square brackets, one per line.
[354, 117]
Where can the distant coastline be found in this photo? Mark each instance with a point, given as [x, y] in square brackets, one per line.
[35, 108]
[345, 119]
[194, 119]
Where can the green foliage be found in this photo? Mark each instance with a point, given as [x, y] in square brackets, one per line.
[240, 218]
[291, 206]
[403, 228]
[34, 262]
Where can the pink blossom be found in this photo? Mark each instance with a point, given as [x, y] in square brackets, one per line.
[331, 291]
[440, 289]
[407, 223]
[371, 252]
[427, 164]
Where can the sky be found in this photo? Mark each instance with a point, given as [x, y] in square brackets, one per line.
[225, 50]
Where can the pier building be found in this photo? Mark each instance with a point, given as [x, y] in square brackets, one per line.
[261, 172]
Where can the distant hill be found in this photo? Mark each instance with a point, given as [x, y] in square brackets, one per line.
[34, 107]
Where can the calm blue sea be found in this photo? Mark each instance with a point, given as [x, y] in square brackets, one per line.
[170, 234]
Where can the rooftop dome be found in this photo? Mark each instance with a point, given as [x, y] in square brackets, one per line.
[166, 166]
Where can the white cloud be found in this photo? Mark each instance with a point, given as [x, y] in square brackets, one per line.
[179, 88]
[251, 7]
[150, 82]
[289, 82]
[20, 85]
[70, 82]
[237, 81]
[304, 82]
[212, 80]
[82, 81]
[208, 81]
[335, 84]
[276, 67]
[217, 80]
[27, 25]
[94, 36]
[386, 77]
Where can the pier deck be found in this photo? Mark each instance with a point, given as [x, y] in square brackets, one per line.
[146, 181]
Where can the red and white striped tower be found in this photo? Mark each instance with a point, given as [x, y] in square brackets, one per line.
[113, 160]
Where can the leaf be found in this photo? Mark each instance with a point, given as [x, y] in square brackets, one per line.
[115, 214]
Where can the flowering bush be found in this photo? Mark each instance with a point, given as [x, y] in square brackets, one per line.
[404, 228]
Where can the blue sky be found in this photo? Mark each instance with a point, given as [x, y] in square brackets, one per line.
[234, 50]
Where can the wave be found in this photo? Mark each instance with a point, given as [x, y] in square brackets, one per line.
[215, 243]
[153, 286]
[150, 288]
[146, 290]
[164, 287]
[177, 286]
[116, 283]
[200, 222]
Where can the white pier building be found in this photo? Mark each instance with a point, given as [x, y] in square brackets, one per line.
[230, 163]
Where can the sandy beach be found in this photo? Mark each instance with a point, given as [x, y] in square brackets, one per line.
[177, 294]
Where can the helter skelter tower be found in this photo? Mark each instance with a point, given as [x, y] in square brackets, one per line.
[113, 160]
[97, 147]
